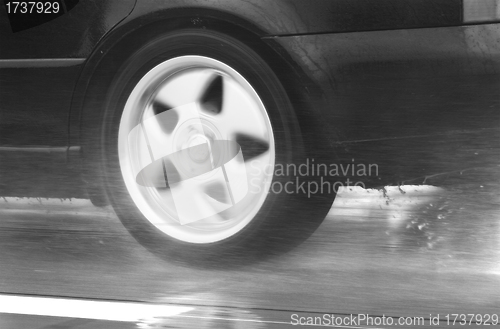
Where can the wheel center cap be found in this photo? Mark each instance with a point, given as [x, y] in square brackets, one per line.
[199, 155]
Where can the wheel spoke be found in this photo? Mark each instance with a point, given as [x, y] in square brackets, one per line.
[164, 196]
[160, 107]
[252, 147]
[160, 128]
[211, 100]
[166, 122]
[192, 201]
[240, 113]
[184, 87]
[218, 191]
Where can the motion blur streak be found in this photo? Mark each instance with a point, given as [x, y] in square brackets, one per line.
[87, 309]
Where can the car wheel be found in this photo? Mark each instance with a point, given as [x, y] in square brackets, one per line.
[196, 125]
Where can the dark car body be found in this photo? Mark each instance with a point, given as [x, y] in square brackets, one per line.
[389, 82]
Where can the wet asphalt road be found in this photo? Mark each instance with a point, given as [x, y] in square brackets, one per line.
[417, 251]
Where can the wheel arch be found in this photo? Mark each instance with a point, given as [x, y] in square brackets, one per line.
[100, 68]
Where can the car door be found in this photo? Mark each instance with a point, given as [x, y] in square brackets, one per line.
[41, 54]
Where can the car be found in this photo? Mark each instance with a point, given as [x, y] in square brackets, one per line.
[221, 130]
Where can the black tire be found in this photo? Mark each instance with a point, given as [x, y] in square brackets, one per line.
[283, 221]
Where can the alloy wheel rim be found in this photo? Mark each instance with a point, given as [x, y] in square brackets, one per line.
[196, 149]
